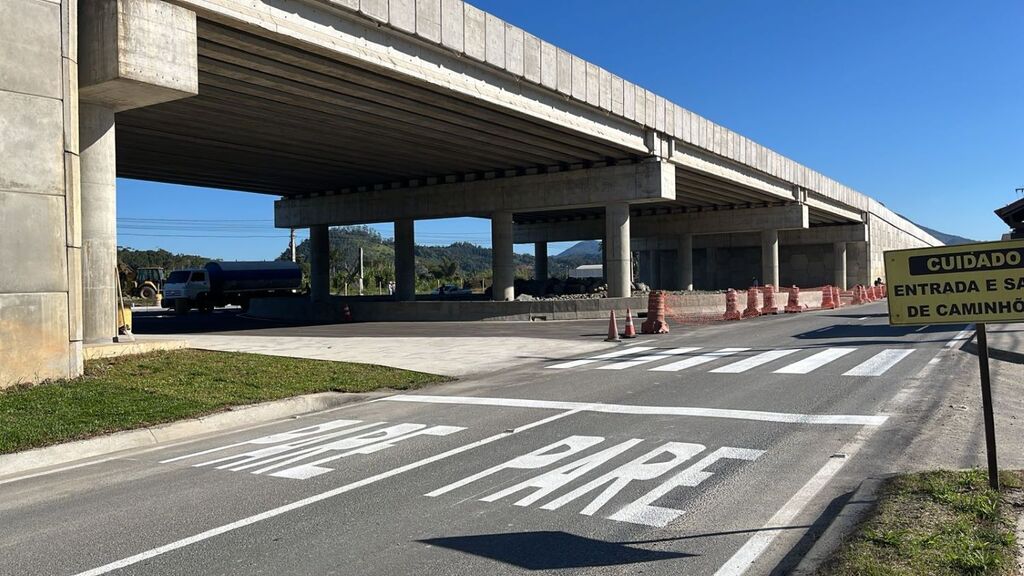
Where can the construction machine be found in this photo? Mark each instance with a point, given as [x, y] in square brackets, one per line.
[143, 282]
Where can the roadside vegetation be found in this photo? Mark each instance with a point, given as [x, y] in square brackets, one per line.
[136, 391]
[937, 523]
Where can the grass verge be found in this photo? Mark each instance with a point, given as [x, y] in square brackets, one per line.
[936, 523]
[136, 391]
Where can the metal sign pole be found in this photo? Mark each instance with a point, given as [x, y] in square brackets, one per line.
[986, 399]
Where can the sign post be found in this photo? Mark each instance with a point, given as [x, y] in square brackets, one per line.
[971, 283]
[986, 401]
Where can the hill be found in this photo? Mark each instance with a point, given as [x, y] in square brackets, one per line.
[948, 239]
[159, 258]
[460, 263]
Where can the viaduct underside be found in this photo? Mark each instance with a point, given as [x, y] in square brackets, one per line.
[365, 111]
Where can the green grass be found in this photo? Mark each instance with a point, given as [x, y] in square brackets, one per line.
[136, 391]
[936, 523]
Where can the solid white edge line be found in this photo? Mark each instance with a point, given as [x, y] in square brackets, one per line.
[745, 557]
[752, 549]
[962, 335]
[783, 417]
[152, 553]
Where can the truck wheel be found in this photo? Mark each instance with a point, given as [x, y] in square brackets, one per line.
[147, 292]
[181, 307]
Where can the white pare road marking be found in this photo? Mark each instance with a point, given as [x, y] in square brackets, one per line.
[755, 361]
[592, 359]
[178, 544]
[649, 358]
[697, 360]
[784, 417]
[811, 363]
[282, 454]
[641, 511]
[879, 363]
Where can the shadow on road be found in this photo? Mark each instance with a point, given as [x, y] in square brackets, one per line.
[551, 550]
[862, 331]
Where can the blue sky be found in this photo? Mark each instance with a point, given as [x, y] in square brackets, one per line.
[918, 104]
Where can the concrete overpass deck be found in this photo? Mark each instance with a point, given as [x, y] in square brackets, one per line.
[362, 111]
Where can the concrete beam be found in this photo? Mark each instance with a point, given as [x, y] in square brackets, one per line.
[711, 222]
[826, 234]
[135, 53]
[648, 181]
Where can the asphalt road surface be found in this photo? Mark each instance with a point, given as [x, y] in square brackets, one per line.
[714, 451]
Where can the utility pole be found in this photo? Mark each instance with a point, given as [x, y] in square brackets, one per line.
[360, 271]
[291, 244]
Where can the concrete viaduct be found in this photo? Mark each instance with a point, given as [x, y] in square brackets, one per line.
[360, 111]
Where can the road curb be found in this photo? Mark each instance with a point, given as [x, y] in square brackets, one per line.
[849, 517]
[239, 416]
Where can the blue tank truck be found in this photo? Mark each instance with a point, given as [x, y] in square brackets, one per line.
[225, 283]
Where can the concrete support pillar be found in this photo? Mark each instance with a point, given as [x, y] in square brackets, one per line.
[684, 266]
[502, 259]
[616, 239]
[770, 257]
[711, 268]
[319, 264]
[99, 223]
[405, 260]
[540, 261]
[839, 249]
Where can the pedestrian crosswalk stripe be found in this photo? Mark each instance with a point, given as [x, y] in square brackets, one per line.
[697, 360]
[755, 361]
[815, 361]
[648, 358]
[592, 359]
[879, 363]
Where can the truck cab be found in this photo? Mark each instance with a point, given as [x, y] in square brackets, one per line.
[185, 289]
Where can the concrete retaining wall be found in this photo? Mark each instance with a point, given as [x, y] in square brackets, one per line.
[301, 310]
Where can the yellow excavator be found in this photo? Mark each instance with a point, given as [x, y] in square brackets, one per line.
[143, 282]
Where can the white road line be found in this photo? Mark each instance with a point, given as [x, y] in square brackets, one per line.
[745, 557]
[592, 359]
[922, 328]
[648, 358]
[754, 361]
[965, 334]
[697, 360]
[879, 363]
[759, 416]
[106, 568]
[815, 361]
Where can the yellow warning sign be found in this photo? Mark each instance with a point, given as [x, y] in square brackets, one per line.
[981, 282]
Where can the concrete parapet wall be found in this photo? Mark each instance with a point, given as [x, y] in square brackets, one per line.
[301, 310]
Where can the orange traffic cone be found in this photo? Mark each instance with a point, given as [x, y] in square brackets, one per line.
[827, 303]
[630, 331]
[613, 329]
[837, 298]
[794, 301]
[769, 306]
[751, 310]
[731, 313]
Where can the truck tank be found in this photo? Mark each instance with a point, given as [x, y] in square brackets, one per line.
[253, 276]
